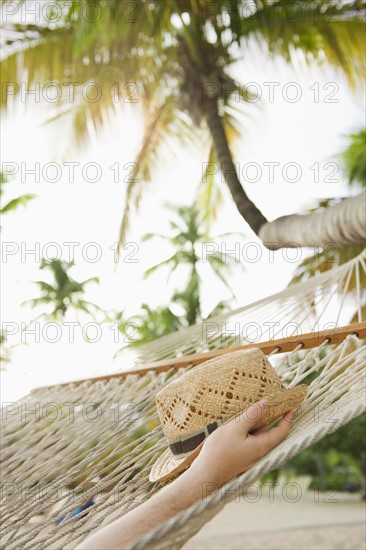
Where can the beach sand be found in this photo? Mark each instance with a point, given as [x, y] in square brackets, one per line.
[321, 521]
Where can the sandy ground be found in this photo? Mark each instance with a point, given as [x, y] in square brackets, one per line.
[324, 521]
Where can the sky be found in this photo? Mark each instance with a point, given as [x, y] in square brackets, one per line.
[287, 154]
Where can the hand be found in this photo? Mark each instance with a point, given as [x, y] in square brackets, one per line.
[234, 447]
[228, 451]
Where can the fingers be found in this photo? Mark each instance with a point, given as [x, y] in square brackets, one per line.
[252, 415]
[269, 439]
[260, 430]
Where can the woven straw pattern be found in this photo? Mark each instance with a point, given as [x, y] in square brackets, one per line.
[220, 387]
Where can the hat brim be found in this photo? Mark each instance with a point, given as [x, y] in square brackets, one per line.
[167, 466]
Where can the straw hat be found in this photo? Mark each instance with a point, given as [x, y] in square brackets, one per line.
[198, 402]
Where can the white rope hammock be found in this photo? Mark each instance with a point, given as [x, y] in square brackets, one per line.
[315, 303]
[87, 442]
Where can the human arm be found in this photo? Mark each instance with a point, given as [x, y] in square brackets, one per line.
[227, 452]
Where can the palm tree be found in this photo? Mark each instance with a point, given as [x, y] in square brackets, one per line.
[188, 237]
[64, 293]
[354, 167]
[175, 58]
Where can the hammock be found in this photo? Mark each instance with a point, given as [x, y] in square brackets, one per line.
[76, 455]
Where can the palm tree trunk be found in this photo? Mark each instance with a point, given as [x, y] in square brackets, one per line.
[195, 313]
[343, 224]
[246, 207]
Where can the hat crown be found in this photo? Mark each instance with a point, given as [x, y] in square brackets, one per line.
[221, 387]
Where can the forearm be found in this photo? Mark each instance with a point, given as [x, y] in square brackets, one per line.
[227, 452]
[169, 501]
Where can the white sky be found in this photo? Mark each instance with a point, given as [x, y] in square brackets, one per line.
[304, 132]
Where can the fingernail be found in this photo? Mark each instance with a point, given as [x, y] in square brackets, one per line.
[289, 415]
[264, 403]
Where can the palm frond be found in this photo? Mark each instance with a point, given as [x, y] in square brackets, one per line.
[172, 261]
[322, 30]
[217, 264]
[90, 280]
[164, 123]
[46, 287]
[14, 204]
[149, 236]
[209, 193]
[34, 302]
[354, 158]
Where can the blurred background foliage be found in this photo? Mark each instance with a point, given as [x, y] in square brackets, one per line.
[187, 235]
[336, 463]
[170, 54]
[62, 293]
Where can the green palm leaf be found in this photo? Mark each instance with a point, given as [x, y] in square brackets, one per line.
[354, 158]
[23, 200]
[63, 293]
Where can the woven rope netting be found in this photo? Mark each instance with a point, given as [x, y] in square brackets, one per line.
[330, 299]
[93, 442]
